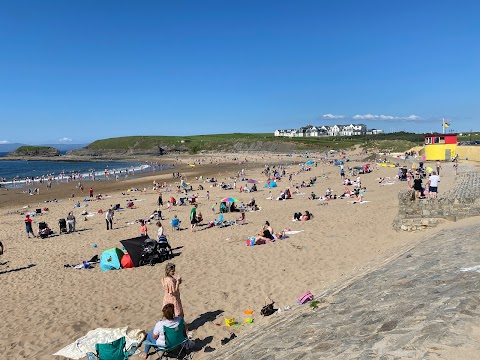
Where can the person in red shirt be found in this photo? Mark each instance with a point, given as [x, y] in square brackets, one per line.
[91, 192]
[28, 226]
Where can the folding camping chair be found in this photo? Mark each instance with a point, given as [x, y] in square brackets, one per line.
[115, 350]
[175, 340]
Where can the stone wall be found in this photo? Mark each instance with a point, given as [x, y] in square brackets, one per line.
[458, 203]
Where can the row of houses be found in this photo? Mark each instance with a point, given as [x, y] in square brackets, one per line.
[324, 130]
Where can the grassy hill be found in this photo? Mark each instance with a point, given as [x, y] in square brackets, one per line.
[158, 145]
[35, 151]
[217, 142]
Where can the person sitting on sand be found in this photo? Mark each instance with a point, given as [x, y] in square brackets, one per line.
[157, 335]
[199, 217]
[306, 216]
[312, 196]
[265, 235]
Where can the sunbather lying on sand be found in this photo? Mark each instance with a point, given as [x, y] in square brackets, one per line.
[305, 217]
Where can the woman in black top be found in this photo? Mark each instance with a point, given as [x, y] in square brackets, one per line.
[417, 186]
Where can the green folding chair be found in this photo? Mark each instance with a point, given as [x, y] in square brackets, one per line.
[115, 350]
[175, 340]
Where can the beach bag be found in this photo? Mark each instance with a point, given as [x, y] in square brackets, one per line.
[305, 297]
[268, 309]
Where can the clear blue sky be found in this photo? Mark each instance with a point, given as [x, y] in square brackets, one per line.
[86, 70]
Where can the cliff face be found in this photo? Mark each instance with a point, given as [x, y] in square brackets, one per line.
[274, 146]
[34, 152]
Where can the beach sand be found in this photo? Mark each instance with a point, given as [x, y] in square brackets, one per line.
[46, 306]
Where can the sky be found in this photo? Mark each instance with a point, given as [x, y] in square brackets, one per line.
[78, 71]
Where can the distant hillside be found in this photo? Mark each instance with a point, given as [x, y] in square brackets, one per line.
[34, 151]
[161, 145]
[65, 147]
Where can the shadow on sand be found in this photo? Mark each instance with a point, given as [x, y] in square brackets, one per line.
[17, 269]
[204, 318]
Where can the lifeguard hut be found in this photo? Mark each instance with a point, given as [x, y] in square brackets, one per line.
[440, 146]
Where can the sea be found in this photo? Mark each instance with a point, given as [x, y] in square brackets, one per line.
[16, 172]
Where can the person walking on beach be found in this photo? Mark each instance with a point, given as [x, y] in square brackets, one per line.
[171, 285]
[193, 217]
[433, 181]
[28, 226]
[455, 167]
[438, 166]
[160, 200]
[109, 218]
[91, 192]
[70, 222]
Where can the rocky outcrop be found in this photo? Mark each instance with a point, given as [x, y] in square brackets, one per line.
[34, 152]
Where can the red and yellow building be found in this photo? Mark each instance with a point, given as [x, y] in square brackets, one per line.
[440, 146]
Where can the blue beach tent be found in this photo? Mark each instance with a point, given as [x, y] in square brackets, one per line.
[111, 259]
[270, 184]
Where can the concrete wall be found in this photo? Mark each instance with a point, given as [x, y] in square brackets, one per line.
[461, 202]
[470, 152]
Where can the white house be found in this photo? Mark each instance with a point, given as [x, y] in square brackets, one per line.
[324, 130]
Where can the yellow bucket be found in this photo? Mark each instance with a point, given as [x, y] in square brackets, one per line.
[229, 322]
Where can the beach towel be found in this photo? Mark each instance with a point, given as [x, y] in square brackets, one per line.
[292, 232]
[388, 183]
[358, 202]
[80, 347]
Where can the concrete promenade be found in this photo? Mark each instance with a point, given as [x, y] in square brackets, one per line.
[423, 304]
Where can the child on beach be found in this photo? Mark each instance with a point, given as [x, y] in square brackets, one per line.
[28, 226]
[143, 228]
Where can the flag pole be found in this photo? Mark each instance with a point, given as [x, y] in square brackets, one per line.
[443, 125]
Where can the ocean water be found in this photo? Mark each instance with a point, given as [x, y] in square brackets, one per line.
[60, 170]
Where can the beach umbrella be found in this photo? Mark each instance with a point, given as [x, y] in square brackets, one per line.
[230, 199]
[251, 181]
[134, 248]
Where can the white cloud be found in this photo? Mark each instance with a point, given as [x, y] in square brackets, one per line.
[387, 117]
[65, 139]
[4, 142]
[332, 116]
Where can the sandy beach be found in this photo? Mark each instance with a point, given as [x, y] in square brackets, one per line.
[47, 306]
